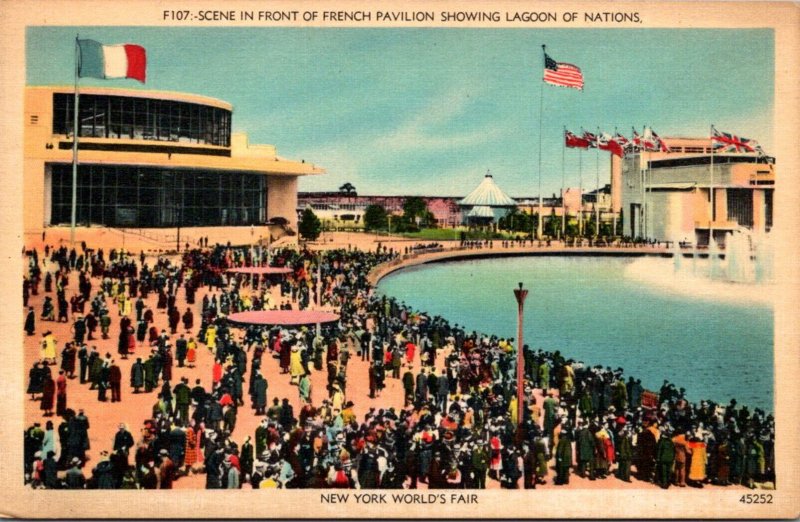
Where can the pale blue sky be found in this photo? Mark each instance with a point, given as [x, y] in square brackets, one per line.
[428, 111]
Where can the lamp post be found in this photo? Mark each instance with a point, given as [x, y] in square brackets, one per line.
[520, 294]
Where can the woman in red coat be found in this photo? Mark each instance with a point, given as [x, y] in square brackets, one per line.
[131, 341]
[216, 372]
[191, 449]
[48, 395]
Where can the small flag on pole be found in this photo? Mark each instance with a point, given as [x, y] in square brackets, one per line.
[606, 142]
[111, 61]
[562, 74]
[575, 142]
[731, 142]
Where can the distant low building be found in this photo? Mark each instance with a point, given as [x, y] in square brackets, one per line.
[333, 205]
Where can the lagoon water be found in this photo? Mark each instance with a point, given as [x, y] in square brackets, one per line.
[602, 311]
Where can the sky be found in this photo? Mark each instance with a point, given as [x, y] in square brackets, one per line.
[428, 111]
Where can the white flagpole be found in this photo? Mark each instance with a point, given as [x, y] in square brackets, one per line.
[541, 108]
[597, 192]
[563, 176]
[75, 132]
[580, 191]
[711, 193]
[643, 176]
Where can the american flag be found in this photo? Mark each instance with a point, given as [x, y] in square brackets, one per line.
[728, 142]
[562, 74]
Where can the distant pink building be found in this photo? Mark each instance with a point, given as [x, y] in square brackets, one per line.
[444, 208]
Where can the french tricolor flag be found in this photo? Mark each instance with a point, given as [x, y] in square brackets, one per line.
[111, 61]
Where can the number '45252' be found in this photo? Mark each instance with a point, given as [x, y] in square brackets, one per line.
[753, 498]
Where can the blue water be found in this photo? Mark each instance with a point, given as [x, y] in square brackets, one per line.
[586, 308]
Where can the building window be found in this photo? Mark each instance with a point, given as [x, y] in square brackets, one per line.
[126, 117]
[740, 206]
[130, 196]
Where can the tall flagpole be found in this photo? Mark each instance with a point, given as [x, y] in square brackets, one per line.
[541, 108]
[597, 193]
[580, 191]
[75, 149]
[711, 193]
[563, 175]
[643, 177]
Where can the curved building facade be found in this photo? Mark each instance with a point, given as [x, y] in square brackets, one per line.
[149, 159]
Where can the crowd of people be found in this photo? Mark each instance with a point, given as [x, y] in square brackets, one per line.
[457, 426]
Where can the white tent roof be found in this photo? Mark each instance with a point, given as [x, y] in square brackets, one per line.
[488, 194]
[481, 211]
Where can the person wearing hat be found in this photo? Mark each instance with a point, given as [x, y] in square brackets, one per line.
[665, 457]
[103, 472]
[30, 322]
[624, 454]
[348, 415]
[166, 470]
[74, 478]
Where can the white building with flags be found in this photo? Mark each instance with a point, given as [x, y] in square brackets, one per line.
[486, 204]
[692, 192]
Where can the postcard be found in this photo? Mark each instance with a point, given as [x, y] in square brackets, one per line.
[408, 260]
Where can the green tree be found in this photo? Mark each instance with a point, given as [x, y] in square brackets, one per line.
[553, 225]
[348, 189]
[310, 226]
[375, 218]
[414, 207]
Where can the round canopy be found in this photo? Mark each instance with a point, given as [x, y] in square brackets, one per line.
[260, 270]
[283, 317]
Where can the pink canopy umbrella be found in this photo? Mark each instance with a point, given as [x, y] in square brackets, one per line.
[283, 317]
[260, 270]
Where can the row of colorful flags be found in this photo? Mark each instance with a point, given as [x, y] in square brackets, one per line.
[617, 144]
[563, 74]
[649, 141]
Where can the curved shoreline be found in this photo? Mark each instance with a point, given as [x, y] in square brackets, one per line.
[460, 254]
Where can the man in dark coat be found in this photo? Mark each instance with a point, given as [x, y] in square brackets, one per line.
[246, 459]
[584, 446]
[422, 386]
[408, 385]
[442, 390]
[123, 440]
[30, 321]
[180, 350]
[646, 443]
[260, 393]
[563, 458]
[137, 375]
[177, 446]
[624, 455]
[665, 457]
[83, 358]
[529, 465]
[103, 473]
[182, 394]
[50, 472]
[115, 382]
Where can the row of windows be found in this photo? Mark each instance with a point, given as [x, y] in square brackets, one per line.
[103, 116]
[149, 197]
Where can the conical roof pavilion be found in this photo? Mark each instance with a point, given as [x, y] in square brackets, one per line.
[487, 194]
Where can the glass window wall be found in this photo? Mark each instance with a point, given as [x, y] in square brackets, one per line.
[130, 196]
[142, 119]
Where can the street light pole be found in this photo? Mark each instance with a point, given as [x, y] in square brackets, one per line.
[520, 294]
